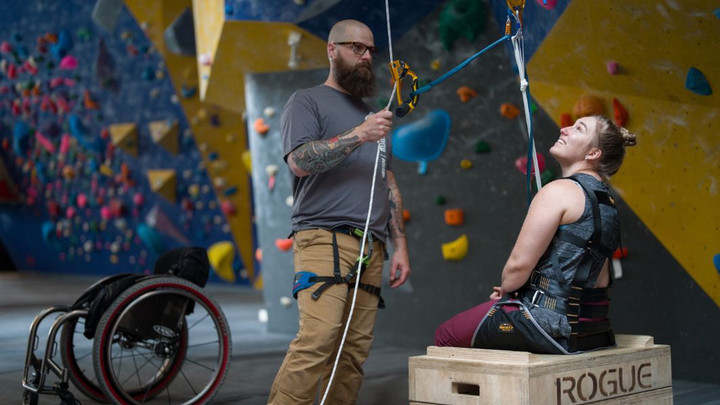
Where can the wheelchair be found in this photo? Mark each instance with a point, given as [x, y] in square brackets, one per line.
[135, 339]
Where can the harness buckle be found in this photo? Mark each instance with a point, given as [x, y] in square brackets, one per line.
[537, 296]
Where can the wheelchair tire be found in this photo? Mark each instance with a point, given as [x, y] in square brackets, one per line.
[162, 339]
[76, 352]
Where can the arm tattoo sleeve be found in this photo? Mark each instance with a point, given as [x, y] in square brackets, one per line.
[322, 155]
[396, 223]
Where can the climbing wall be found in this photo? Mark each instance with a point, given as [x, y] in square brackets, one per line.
[96, 145]
[653, 63]
[221, 138]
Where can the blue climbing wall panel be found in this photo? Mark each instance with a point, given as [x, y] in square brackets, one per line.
[87, 205]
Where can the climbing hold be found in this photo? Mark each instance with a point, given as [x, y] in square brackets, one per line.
[697, 83]
[482, 147]
[508, 110]
[406, 215]
[457, 249]
[165, 133]
[465, 164]
[613, 67]
[163, 182]
[187, 92]
[566, 120]
[435, 64]
[271, 171]
[45, 143]
[466, 93]
[454, 216]
[283, 244]
[461, 18]
[547, 175]
[717, 14]
[221, 255]
[205, 59]
[260, 126]
[588, 105]
[716, 258]
[148, 73]
[269, 112]
[521, 163]
[88, 102]
[125, 137]
[440, 200]
[547, 4]
[620, 113]
[151, 238]
[68, 63]
[62, 45]
[228, 208]
[423, 140]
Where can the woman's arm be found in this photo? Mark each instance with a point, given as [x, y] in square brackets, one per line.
[560, 202]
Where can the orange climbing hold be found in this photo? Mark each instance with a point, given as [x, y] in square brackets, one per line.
[466, 93]
[589, 105]
[621, 114]
[283, 244]
[566, 120]
[261, 127]
[89, 103]
[406, 215]
[509, 111]
[455, 216]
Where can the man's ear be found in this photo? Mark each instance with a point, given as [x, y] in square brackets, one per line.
[330, 50]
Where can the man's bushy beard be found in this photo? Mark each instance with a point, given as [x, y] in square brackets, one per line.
[358, 80]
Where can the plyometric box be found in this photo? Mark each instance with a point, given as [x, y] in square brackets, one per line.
[637, 371]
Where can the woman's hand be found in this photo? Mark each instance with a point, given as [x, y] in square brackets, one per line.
[496, 294]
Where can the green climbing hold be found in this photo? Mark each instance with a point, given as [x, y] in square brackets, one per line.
[547, 176]
[462, 18]
[84, 34]
[440, 200]
[482, 147]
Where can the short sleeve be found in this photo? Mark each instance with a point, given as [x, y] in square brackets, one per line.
[299, 122]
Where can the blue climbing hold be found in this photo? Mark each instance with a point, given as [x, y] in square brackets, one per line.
[423, 140]
[697, 83]
[63, 45]
[716, 260]
[717, 13]
[20, 138]
[151, 238]
[79, 131]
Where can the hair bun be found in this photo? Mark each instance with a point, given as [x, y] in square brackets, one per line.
[628, 137]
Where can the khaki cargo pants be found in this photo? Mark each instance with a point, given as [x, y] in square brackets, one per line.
[311, 355]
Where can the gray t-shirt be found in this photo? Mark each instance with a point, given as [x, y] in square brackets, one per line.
[341, 195]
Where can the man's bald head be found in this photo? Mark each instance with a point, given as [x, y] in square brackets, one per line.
[348, 30]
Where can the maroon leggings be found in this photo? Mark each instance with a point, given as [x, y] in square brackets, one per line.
[459, 330]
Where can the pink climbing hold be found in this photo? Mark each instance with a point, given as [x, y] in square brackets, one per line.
[65, 143]
[521, 164]
[81, 200]
[613, 67]
[44, 142]
[70, 212]
[547, 4]
[5, 47]
[138, 199]
[228, 208]
[68, 63]
[12, 71]
[57, 81]
[105, 213]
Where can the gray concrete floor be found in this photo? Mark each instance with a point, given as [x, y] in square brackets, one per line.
[256, 357]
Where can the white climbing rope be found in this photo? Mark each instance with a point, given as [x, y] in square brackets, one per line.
[365, 231]
[519, 51]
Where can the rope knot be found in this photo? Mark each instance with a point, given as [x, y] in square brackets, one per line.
[523, 85]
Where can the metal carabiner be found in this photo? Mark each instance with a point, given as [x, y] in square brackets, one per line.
[398, 70]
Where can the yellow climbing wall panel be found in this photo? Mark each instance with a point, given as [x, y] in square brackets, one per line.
[237, 47]
[671, 178]
[228, 139]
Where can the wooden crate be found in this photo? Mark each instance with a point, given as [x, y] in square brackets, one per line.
[637, 371]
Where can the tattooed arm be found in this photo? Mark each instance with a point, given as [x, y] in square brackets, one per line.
[322, 155]
[400, 262]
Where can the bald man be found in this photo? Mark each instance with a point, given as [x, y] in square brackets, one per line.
[330, 139]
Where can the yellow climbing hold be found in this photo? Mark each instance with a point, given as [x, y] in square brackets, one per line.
[221, 255]
[465, 164]
[457, 249]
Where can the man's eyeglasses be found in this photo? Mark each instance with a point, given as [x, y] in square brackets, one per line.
[359, 48]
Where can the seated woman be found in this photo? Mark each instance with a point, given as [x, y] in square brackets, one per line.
[554, 292]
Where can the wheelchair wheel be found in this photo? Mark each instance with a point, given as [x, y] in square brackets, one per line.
[76, 353]
[162, 341]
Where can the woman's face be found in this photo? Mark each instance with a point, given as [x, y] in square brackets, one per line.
[575, 141]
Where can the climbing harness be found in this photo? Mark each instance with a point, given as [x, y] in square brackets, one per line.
[306, 279]
[586, 309]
